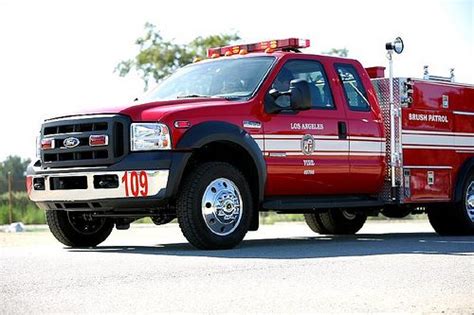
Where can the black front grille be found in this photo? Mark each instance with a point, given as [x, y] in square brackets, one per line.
[116, 127]
[75, 127]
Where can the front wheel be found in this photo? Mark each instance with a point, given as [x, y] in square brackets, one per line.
[336, 221]
[78, 229]
[214, 206]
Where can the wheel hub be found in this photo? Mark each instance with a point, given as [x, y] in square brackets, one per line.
[470, 201]
[349, 215]
[222, 206]
[84, 223]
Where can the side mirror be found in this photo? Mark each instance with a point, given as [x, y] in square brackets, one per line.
[300, 95]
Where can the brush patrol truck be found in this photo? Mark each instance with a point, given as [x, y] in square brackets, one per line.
[263, 127]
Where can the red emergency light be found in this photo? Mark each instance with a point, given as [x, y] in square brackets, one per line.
[47, 144]
[98, 140]
[266, 46]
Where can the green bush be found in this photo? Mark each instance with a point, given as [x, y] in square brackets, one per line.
[23, 209]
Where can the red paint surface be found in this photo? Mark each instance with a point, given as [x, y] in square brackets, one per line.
[427, 100]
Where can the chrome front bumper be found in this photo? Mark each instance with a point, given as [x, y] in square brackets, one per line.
[129, 186]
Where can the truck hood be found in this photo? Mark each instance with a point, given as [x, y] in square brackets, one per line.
[153, 110]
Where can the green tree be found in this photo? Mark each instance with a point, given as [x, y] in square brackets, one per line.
[158, 57]
[341, 52]
[17, 166]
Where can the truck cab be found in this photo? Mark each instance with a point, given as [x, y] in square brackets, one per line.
[343, 138]
[256, 127]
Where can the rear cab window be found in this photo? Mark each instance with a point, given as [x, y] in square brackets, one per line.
[354, 90]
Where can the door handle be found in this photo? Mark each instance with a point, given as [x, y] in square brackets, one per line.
[342, 130]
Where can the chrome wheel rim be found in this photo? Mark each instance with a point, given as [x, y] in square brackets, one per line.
[349, 215]
[222, 206]
[470, 201]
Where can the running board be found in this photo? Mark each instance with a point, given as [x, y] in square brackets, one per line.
[314, 203]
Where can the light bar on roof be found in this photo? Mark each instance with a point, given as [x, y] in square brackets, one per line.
[265, 46]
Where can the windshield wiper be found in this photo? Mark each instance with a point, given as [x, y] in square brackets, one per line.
[231, 97]
[227, 97]
[192, 96]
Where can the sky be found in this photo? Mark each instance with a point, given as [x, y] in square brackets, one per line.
[58, 57]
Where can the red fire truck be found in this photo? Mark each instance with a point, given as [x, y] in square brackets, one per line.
[263, 127]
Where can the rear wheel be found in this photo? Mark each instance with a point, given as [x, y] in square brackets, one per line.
[314, 222]
[336, 221]
[457, 218]
[214, 206]
[78, 229]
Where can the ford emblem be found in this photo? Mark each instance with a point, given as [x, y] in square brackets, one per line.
[71, 142]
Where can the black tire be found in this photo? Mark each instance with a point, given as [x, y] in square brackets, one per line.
[190, 202]
[453, 219]
[314, 222]
[335, 221]
[72, 229]
[396, 212]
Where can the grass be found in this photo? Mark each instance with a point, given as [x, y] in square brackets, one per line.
[28, 215]
[23, 210]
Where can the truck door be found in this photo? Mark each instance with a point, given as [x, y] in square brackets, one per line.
[365, 130]
[306, 151]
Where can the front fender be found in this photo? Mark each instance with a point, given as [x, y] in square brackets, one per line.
[213, 131]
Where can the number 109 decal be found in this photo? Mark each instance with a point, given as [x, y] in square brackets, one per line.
[136, 183]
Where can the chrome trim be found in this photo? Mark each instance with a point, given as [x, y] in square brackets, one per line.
[428, 167]
[463, 113]
[222, 207]
[157, 180]
[252, 124]
[85, 116]
[39, 170]
[470, 201]
[277, 154]
[71, 142]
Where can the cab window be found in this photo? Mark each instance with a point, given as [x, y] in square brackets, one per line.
[356, 95]
[311, 71]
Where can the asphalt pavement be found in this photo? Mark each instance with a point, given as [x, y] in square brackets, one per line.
[282, 268]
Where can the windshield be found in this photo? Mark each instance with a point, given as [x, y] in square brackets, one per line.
[230, 78]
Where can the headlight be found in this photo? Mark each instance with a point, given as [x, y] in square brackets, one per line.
[149, 136]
